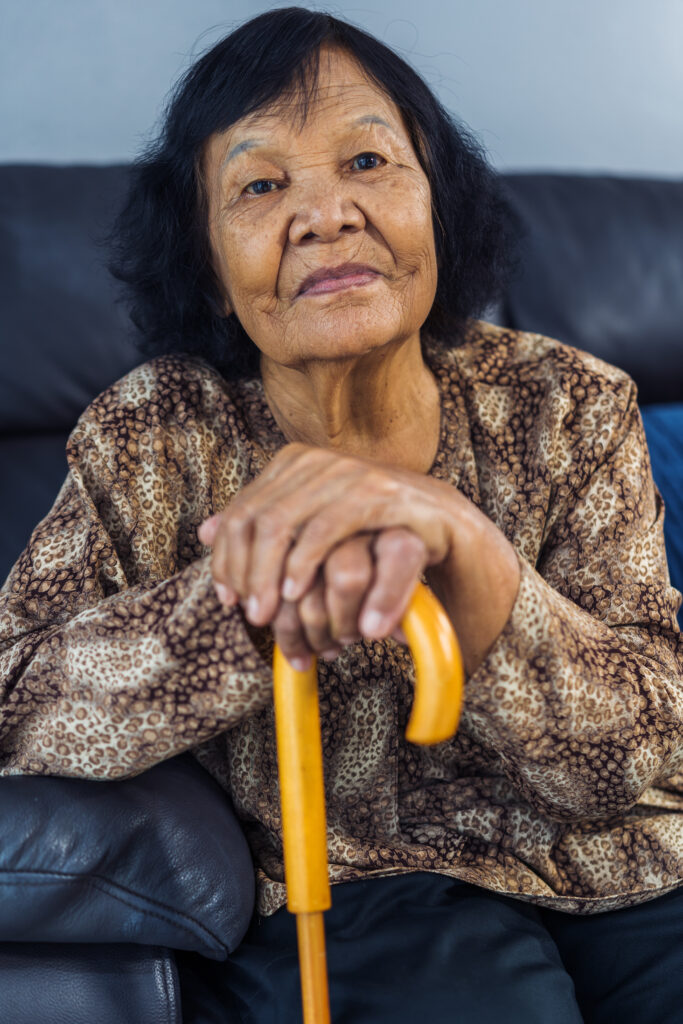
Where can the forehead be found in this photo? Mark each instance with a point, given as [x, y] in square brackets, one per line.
[341, 94]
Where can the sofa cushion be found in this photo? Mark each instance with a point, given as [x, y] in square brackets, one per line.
[159, 859]
[64, 337]
[603, 266]
[664, 430]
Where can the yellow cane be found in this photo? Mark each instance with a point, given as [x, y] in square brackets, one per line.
[436, 710]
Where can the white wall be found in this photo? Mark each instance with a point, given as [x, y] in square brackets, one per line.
[559, 84]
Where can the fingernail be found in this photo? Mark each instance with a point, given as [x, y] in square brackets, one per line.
[224, 594]
[252, 608]
[301, 664]
[330, 655]
[372, 621]
[289, 589]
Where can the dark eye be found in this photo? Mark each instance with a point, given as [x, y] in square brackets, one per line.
[260, 187]
[366, 161]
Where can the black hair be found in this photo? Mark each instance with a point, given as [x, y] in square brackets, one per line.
[160, 240]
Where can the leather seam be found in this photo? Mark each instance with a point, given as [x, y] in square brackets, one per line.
[107, 887]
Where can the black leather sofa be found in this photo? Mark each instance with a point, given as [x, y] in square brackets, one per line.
[102, 884]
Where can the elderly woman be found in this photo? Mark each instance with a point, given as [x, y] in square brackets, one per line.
[326, 423]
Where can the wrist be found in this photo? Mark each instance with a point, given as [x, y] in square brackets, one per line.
[477, 584]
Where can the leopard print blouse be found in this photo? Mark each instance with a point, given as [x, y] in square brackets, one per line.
[564, 783]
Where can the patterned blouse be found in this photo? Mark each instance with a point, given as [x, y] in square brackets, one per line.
[564, 783]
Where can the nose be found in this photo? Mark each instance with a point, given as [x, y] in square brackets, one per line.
[323, 213]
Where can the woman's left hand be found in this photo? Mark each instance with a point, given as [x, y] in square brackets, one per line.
[326, 547]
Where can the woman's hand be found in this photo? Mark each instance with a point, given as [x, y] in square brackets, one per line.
[326, 547]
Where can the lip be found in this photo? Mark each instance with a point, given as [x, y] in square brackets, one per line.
[334, 279]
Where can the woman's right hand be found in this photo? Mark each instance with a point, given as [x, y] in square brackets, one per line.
[326, 618]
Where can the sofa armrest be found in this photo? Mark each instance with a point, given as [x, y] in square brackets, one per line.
[74, 984]
[159, 859]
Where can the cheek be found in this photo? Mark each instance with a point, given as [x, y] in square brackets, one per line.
[408, 216]
[249, 260]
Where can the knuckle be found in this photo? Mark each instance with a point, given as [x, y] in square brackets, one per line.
[319, 527]
[346, 464]
[314, 616]
[289, 637]
[272, 525]
[348, 581]
[382, 482]
[315, 624]
[287, 620]
[234, 524]
[401, 541]
[220, 565]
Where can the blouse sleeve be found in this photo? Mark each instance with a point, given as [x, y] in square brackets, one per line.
[581, 696]
[114, 651]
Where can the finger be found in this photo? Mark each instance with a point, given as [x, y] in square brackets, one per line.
[232, 537]
[348, 574]
[400, 557]
[209, 527]
[207, 530]
[289, 635]
[314, 618]
[231, 531]
[377, 502]
[276, 529]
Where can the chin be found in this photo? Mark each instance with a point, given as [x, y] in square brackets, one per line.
[345, 337]
[350, 347]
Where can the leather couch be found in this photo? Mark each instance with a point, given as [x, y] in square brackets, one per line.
[107, 887]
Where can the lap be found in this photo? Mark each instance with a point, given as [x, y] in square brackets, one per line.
[427, 946]
[627, 965]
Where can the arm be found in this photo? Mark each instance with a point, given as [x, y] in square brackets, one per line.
[114, 650]
[581, 694]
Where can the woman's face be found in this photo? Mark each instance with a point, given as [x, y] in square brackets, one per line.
[322, 234]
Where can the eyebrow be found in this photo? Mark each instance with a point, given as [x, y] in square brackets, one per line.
[241, 147]
[372, 119]
[247, 144]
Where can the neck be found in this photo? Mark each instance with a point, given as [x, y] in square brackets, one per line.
[382, 406]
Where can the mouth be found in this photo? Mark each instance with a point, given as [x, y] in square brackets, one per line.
[336, 279]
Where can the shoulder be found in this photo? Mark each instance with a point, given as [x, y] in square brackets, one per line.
[499, 367]
[502, 356]
[536, 402]
[172, 396]
[168, 390]
[174, 418]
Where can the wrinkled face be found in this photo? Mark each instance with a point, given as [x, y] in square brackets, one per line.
[322, 234]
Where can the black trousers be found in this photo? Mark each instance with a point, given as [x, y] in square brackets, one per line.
[424, 949]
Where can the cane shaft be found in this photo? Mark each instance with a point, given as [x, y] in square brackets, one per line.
[435, 714]
[302, 793]
[313, 967]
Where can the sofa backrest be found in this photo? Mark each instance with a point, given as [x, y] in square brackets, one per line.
[65, 338]
[602, 268]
